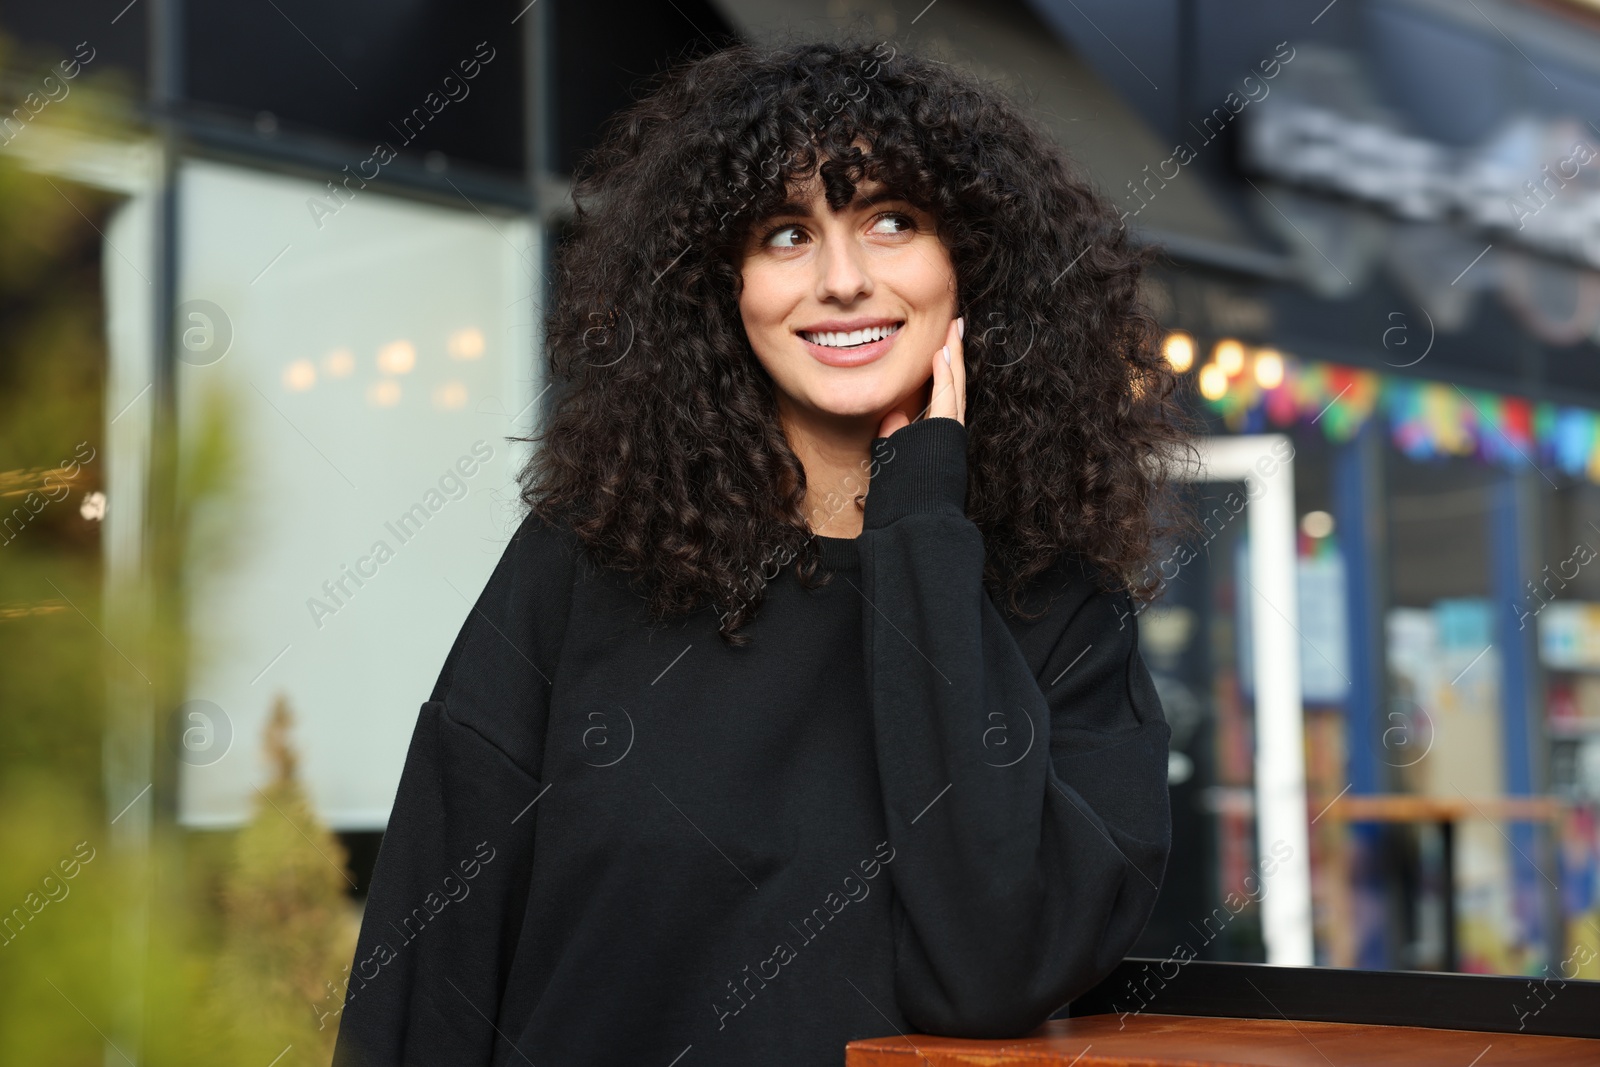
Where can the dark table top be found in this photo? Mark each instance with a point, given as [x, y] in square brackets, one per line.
[1149, 1040]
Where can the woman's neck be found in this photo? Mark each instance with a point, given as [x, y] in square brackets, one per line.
[837, 457]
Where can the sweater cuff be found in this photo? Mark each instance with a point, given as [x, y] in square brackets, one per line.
[920, 468]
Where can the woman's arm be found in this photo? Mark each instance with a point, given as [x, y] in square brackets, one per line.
[1023, 870]
[448, 893]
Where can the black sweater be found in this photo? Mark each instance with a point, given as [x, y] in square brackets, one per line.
[898, 810]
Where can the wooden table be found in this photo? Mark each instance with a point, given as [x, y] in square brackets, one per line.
[1152, 1040]
[1152, 1013]
[1412, 807]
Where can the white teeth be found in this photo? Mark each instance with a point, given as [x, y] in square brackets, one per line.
[848, 340]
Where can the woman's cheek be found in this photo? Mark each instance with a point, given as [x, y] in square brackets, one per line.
[761, 311]
[928, 277]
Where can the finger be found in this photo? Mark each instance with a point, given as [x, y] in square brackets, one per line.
[949, 377]
[942, 403]
[958, 365]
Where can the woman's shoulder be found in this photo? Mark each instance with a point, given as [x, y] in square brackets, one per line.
[536, 575]
[542, 549]
[518, 622]
[1070, 589]
[537, 526]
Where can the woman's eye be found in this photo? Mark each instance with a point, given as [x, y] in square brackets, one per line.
[777, 239]
[905, 223]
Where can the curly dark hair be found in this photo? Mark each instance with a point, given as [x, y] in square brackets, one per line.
[664, 451]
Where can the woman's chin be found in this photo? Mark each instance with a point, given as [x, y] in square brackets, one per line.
[862, 398]
[859, 408]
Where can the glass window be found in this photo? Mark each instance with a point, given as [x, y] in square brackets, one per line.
[376, 353]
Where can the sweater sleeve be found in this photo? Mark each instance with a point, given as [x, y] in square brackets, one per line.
[1028, 811]
[445, 906]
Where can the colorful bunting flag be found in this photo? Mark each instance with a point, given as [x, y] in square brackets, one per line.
[1427, 419]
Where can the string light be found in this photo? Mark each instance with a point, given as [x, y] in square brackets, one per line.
[1229, 355]
[1269, 368]
[1179, 351]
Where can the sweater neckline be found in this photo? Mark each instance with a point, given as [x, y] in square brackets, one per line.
[839, 553]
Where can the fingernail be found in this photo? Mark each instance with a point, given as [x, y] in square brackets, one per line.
[946, 351]
[961, 327]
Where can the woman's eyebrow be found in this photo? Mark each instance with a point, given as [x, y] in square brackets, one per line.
[876, 194]
[862, 200]
[790, 207]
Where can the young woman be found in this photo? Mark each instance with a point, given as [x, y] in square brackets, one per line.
[738, 757]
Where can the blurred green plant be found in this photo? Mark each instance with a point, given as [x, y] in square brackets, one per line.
[52, 368]
[288, 929]
[242, 992]
[125, 938]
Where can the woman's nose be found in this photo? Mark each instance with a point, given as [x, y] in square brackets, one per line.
[842, 273]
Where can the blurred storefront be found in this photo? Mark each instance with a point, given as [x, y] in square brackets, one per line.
[1429, 345]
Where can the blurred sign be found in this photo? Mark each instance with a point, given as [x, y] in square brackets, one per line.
[1535, 181]
[1569, 636]
[1324, 637]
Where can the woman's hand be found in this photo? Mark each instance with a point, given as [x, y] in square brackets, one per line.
[949, 399]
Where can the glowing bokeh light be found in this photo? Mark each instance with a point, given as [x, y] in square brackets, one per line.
[340, 363]
[1229, 355]
[466, 344]
[1316, 524]
[299, 376]
[451, 396]
[384, 394]
[397, 357]
[1179, 351]
[1269, 368]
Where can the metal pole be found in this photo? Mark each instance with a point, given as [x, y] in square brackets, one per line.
[138, 782]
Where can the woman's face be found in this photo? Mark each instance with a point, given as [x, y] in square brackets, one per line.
[846, 309]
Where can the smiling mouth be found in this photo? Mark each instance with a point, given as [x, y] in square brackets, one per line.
[851, 338]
